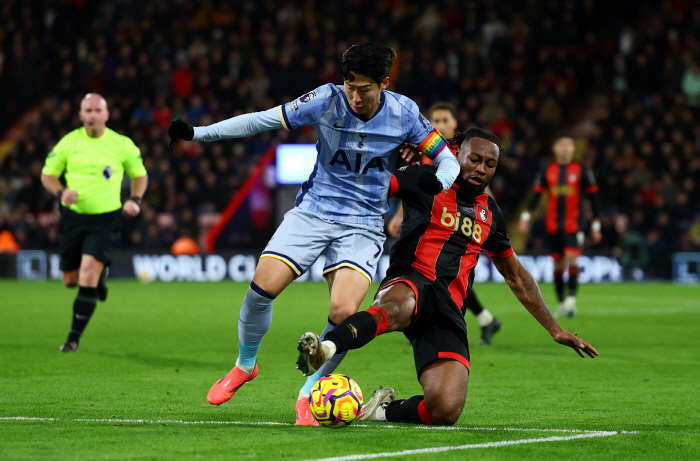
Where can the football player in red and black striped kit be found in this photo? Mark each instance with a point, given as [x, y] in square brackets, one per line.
[429, 277]
[443, 116]
[565, 181]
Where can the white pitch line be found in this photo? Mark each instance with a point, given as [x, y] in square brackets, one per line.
[273, 423]
[460, 428]
[26, 418]
[469, 446]
[172, 421]
[145, 421]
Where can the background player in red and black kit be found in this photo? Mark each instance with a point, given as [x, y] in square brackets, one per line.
[565, 181]
[427, 282]
[443, 116]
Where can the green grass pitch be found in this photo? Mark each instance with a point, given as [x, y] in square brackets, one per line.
[152, 351]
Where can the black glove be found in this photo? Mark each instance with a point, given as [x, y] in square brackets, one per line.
[429, 183]
[180, 129]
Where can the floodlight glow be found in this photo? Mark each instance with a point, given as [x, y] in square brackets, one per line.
[295, 162]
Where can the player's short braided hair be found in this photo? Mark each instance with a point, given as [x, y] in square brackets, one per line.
[370, 59]
[474, 132]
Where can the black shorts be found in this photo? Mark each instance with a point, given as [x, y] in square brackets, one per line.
[86, 234]
[438, 330]
[561, 243]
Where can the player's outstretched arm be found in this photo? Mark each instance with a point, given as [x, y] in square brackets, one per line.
[240, 126]
[447, 168]
[525, 288]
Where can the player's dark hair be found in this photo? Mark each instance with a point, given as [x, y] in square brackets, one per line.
[474, 132]
[561, 134]
[370, 59]
[448, 106]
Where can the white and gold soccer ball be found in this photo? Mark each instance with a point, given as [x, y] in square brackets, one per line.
[335, 401]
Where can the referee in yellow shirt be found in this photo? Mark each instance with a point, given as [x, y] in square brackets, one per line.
[93, 159]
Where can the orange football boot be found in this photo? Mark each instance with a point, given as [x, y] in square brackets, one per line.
[223, 389]
[304, 416]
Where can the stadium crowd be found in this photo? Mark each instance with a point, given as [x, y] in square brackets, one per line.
[522, 70]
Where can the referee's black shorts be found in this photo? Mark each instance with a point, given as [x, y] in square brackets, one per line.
[438, 330]
[86, 234]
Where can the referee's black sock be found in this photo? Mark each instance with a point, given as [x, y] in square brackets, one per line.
[573, 280]
[559, 284]
[83, 307]
[413, 410]
[358, 329]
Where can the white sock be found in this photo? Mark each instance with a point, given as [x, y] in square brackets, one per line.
[485, 318]
[244, 369]
[329, 348]
[380, 413]
[302, 395]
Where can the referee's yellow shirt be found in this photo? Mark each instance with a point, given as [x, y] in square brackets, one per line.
[94, 167]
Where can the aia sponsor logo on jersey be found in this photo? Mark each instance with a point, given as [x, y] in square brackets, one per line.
[342, 158]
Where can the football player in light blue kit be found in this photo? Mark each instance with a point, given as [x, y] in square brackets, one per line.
[360, 127]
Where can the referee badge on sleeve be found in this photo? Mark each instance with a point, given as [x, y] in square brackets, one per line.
[107, 172]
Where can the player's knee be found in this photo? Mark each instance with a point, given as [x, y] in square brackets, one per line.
[70, 278]
[392, 310]
[340, 312]
[445, 412]
[400, 315]
[444, 409]
[70, 282]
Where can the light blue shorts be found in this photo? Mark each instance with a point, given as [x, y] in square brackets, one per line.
[303, 237]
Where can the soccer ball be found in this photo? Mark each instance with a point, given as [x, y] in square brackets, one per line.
[335, 400]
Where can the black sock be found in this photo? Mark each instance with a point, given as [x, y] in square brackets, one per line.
[573, 280]
[411, 410]
[358, 329]
[559, 285]
[83, 307]
[473, 303]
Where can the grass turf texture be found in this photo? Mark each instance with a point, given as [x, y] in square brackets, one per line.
[152, 352]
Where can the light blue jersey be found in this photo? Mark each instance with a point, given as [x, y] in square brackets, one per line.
[356, 157]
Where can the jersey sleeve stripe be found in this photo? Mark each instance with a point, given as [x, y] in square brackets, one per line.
[539, 189]
[501, 254]
[283, 117]
[433, 144]
[591, 189]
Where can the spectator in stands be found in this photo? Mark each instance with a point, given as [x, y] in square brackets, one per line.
[521, 68]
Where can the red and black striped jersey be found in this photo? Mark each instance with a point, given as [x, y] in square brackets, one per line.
[442, 235]
[564, 185]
